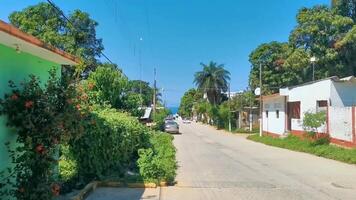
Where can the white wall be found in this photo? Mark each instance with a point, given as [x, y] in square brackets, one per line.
[343, 94]
[340, 123]
[308, 95]
[272, 124]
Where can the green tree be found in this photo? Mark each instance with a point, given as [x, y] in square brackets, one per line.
[138, 86]
[212, 80]
[273, 57]
[317, 32]
[132, 103]
[107, 84]
[77, 37]
[345, 8]
[347, 51]
[188, 102]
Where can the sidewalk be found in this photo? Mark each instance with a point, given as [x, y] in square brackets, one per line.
[125, 194]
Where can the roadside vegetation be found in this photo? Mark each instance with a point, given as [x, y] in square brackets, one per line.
[210, 103]
[324, 32]
[82, 126]
[304, 145]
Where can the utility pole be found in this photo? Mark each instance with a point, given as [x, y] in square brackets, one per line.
[261, 105]
[140, 63]
[229, 108]
[154, 91]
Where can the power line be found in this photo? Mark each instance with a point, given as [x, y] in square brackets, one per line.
[65, 17]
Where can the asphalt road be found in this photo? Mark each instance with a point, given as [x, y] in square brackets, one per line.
[217, 165]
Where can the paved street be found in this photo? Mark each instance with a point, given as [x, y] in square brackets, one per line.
[216, 165]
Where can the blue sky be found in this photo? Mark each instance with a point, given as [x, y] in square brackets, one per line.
[179, 34]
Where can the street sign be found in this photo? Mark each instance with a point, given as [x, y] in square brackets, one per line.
[257, 91]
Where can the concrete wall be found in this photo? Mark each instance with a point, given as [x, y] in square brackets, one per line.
[17, 66]
[308, 95]
[272, 124]
[340, 123]
[343, 94]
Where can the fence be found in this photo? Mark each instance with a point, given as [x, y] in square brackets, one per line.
[341, 125]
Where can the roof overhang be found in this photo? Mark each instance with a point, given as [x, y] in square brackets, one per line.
[14, 38]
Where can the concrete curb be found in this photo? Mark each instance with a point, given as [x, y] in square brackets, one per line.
[90, 187]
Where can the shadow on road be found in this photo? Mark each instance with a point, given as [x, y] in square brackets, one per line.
[123, 194]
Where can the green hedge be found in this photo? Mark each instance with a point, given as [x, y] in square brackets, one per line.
[158, 163]
[110, 144]
[323, 150]
[114, 143]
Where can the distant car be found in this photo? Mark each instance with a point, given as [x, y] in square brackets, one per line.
[171, 127]
[186, 121]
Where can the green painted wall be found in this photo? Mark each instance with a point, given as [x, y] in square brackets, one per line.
[17, 66]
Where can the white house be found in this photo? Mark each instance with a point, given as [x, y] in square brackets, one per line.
[283, 112]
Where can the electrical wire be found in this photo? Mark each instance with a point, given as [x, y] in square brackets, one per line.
[66, 18]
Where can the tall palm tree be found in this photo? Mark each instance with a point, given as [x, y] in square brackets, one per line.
[213, 80]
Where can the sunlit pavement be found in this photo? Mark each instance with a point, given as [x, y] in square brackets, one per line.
[220, 166]
[217, 165]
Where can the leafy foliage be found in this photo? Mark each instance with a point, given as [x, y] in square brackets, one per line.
[42, 118]
[158, 118]
[138, 86]
[312, 121]
[273, 57]
[106, 85]
[110, 144]
[188, 101]
[158, 162]
[77, 37]
[212, 80]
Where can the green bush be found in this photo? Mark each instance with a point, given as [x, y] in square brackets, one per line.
[158, 162]
[158, 119]
[110, 144]
[304, 145]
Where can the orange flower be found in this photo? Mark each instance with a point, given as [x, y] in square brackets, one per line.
[55, 188]
[14, 97]
[28, 104]
[78, 106]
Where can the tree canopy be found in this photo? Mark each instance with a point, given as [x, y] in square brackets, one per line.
[188, 101]
[78, 36]
[322, 32]
[212, 80]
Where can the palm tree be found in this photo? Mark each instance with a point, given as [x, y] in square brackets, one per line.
[213, 80]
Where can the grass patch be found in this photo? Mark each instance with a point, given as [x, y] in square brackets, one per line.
[246, 131]
[296, 144]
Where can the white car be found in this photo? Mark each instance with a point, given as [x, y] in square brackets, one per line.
[186, 121]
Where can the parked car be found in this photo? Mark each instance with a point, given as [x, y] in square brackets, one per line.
[171, 127]
[186, 121]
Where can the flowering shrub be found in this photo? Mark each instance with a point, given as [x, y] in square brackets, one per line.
[42, 117]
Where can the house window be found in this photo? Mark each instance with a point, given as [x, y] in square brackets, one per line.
[321, 105]
[294, 109]
[266, 113]
[277, 114]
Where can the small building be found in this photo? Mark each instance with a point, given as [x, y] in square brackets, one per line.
[283, 113]
[21, 55]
